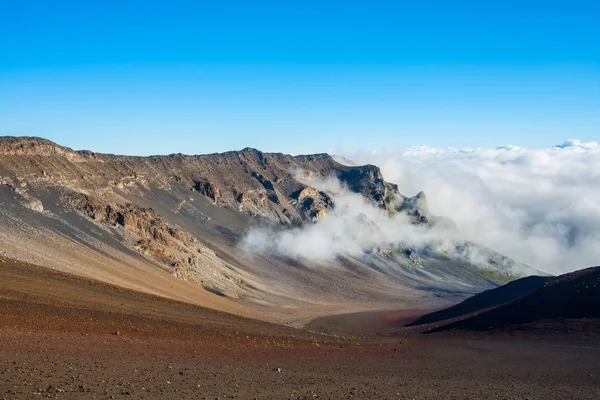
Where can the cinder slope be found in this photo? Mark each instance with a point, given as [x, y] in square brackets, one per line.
[41, 299]
[489, 299]
[569, 298]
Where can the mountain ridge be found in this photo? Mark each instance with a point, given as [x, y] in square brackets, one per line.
[203, 173]
[184, 215]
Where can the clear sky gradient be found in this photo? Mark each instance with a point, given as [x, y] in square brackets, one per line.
[154, 77]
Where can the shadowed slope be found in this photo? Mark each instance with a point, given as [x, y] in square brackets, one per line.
[488, 299]
[572, 296]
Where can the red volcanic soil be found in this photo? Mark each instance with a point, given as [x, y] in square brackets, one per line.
[68, 337]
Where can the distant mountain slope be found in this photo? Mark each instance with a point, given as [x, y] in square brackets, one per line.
[571, 296]
[490, 298]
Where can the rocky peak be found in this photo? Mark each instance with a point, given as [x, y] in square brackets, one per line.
[368, 181]
[417, 208]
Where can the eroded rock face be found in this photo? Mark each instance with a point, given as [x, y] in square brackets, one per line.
[146, 232]
[208, 189]
[314, 203]
[152, 235]
[33, 146]
[366, 180]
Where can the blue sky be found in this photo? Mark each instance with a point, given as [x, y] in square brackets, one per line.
[149, 77]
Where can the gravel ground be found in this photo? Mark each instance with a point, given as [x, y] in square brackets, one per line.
[67, 337]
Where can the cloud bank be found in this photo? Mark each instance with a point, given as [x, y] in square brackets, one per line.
[538, 206]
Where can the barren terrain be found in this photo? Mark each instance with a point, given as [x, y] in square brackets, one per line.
[67, 337]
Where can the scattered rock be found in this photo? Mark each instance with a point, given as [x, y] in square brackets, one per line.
[33, 203]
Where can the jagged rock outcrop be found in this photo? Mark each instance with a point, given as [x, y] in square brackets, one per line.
[313, 203]
[416, 208]
[208, 189]
[366, 180]
[150, 233]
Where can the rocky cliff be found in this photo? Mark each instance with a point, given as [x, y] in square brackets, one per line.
[250, 181]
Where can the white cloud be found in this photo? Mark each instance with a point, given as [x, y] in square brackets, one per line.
[539, 206]
[353, 226]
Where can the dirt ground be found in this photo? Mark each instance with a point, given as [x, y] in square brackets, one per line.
[68, 337]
